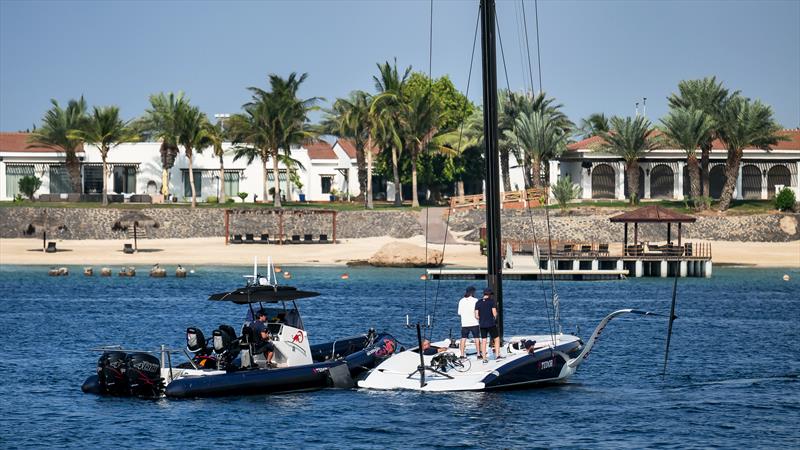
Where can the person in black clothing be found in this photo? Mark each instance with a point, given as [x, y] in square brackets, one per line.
[486, 313]
[428, 349]
[264, 345]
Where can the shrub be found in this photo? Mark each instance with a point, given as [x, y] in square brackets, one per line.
[784, 201]
[565, 190]
[29, 184]
[230, 200]
[242, 195]
[212, 199]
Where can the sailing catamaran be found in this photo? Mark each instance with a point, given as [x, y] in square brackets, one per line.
[526, 359]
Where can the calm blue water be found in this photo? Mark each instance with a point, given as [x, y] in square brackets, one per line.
[732, 382]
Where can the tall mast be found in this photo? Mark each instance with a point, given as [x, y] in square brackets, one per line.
[494, 266]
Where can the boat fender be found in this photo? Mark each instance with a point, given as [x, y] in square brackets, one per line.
[339, 376]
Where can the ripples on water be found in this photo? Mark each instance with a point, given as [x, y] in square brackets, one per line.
[732, 382]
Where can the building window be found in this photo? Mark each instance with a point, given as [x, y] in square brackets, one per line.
[59, 180]
[13, 175]
[327, 183]
[124, 180]
[92, 179]
[231, 184]
[198, 185]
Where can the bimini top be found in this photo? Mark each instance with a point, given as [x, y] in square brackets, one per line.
[653, 214]
[267, 294]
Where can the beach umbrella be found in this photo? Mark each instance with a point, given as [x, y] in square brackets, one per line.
[135, 219]
[45, 222]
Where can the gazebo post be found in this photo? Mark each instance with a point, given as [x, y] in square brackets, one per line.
[135, 243]
[625, 245]
[280, 226]
[635, 233]
[669, 232]
[227, 225]
[334, 227]
[44, 240]
[679, 234]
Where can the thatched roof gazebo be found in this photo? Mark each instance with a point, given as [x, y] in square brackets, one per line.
[652, 214]
[134, 219]
[43, 223]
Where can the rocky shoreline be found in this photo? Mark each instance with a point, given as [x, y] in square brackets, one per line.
[582, 224]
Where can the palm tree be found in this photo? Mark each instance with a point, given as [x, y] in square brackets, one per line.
[421, 120]
[192, 125]
[105, 129]
[744, 123]
[539, 138]
[688, 129]
[386, 111]
[349, 118]
[215, 136]
[630, 139]
[252, 137]
[593, 125]
[160, 122]
[708, 96]
[295, 128]
[57, 124]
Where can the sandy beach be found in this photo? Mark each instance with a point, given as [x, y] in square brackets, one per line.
[213, 251]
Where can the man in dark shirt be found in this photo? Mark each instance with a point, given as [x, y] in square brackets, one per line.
[486, 313]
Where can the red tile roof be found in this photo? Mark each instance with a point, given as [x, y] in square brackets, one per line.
[320, 150]
[350, 148]
[18, 142]
[792, 144]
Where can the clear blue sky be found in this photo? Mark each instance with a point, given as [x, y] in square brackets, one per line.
[598, 56]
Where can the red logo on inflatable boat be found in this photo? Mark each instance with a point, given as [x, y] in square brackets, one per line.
[298, 337]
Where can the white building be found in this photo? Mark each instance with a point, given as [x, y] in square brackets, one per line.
[135, 168]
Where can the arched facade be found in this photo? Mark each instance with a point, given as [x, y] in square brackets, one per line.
[777, 175]
[751, 182]
[603, 181]
[716, 177]
[662, 182]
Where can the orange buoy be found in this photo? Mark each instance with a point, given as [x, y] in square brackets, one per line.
[345, 276]
[423, 277]
[277, 269]
[287, 275]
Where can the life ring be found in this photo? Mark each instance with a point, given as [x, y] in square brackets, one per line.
[298, 337]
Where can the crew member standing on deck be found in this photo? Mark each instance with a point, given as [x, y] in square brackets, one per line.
[469, 324]
[486, 313]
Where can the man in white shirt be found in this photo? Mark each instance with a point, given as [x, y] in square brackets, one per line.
[469, 324]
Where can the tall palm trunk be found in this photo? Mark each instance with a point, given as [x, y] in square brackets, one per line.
[369, 177]
[73, 165]
[164, 182]
[362, 170]
[705, 180]
[731, 174]
[221, 193]
[414, 195]
[694, 180]
[264, 177]
[398, 199]
[504, 169]
[460, 189]
[191, 178]
[104, 156]
[536, 172]
[633, 180]
[275, 173]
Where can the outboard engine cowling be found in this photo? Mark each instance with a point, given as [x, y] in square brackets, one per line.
[143, 372]
[196, 341]
[111, 373]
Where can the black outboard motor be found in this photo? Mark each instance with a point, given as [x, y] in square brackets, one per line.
[144, 375]
[225, 345]
[196, 341]
[111, 370]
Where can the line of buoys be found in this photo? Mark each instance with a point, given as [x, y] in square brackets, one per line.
[58, 272]
[88, 271]
[180, 272]
[423, 277]
[105, 272]
[127, 272]
[345, 276]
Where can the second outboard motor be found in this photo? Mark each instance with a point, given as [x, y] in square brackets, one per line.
[196, 341]
[143, 372]
[225, 345]
[111, 373]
